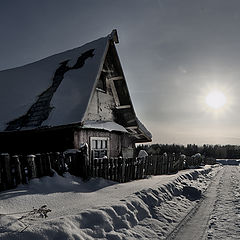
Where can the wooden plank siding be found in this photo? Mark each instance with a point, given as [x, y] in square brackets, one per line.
[119, 143]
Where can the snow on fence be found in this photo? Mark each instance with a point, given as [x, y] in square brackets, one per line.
[19, 169]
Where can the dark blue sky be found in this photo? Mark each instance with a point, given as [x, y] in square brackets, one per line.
[173, 52]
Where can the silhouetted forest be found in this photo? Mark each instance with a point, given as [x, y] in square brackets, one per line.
[216, 151]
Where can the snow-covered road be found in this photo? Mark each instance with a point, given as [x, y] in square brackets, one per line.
[224, 222]
[217, 216]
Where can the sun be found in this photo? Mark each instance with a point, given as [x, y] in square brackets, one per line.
[215, 99]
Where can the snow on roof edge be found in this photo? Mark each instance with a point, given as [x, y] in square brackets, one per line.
[144, 129]
[54, 54]
[104, 125]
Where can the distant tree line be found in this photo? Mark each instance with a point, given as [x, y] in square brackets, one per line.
[216, 151]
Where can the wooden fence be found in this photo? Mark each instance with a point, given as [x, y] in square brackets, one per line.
[19, 169]
[124, 170]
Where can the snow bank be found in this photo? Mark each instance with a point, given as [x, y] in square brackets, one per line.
[101, 209]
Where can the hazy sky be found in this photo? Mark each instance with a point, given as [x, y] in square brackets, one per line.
[173, 53]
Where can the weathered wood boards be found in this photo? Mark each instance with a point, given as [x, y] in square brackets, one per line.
[17, 169]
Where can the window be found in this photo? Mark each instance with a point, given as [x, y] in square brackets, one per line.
[99, 146]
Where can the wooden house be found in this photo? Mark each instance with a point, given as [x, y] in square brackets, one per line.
[69, 99]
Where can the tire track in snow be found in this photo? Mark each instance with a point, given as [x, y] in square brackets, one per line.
[224, 221]
[217, 216]
[195, 223]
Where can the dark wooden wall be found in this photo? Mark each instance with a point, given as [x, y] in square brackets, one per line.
[34, 141]
[21, 142]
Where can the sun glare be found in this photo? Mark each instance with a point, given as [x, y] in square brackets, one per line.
[215, 99]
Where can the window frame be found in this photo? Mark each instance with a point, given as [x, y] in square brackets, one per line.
[98, 145]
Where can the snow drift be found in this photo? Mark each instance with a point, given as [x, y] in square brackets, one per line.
[101, 209]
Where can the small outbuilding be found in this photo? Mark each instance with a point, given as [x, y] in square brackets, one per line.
[69, 99]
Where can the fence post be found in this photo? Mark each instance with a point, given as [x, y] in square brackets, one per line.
[107, 168]
[56, 162]
[165, 165]
[175, 163]
[130, 168]
[99, 160]
[91, 167]
[141, 169]
[17, 170]
[24, 168]
[47, 167]
[150, 165]
[146, 166]
[95, 166]
[111, 168]
[133, 171]
[1, 174]
[39, 165]
[158, 165]
[182, 161]
[115, 169]
[123, 160]
[138, 161]
[104, 165]
[32, 173]
[6, 174]
[135, 162]
[119, 169]
[126, 170]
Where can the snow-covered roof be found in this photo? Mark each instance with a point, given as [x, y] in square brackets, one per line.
[57, 91]
[30, 91]
[143, 129]
[104, 125]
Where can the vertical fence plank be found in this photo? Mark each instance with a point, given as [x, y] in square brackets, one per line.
[32, 173]
[99, 167]
[123, 169]
[24, 168]
[104, 165]
[47, 167]
[126, 170]
[17, 170]
[138, 168]
[57, 162]
[107, 168]
[95, 167]
[7, 170]
[159, 165]
[2, 173]
[91, 166]
[142, 162]
[39, 165]
[6, 173]
[130, 168]
[115, 168]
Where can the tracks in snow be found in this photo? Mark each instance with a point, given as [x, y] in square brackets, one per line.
[224, 221]
[217, 215]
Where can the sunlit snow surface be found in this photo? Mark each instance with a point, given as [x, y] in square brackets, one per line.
[101, 209]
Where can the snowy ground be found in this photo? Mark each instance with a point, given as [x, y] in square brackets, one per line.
[224, 220]
[100, 209]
